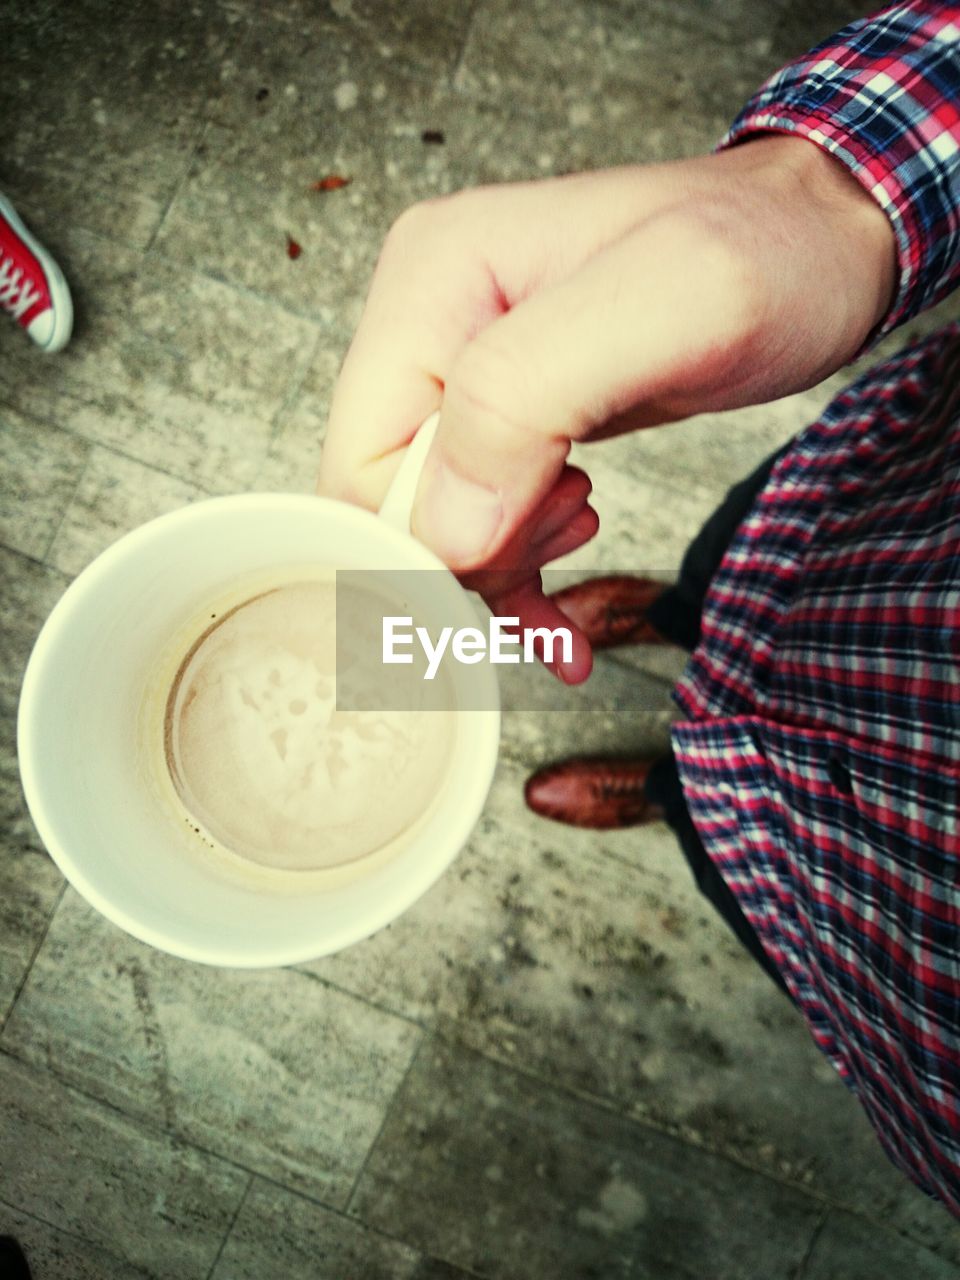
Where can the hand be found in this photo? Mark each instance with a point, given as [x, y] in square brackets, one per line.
[576, 308]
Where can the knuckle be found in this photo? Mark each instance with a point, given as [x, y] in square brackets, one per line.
[412, 234]
[439, 223]
[412, 223]
[422, 223]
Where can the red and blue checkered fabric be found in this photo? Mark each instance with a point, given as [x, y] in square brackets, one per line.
[883, 97]
[820, 751]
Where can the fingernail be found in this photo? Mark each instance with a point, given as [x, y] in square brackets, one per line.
[457, 518]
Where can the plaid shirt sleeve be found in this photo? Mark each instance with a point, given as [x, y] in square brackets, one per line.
[883, 97]
[820, 750]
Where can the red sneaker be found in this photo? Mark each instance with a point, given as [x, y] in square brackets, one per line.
[32, 287]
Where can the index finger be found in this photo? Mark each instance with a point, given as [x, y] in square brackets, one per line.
[525, 600]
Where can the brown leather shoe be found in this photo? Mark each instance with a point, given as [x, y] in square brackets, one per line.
[598, 793]
[612, 610]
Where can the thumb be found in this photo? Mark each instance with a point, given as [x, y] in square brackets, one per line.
[579, 352]
[487, 471]
[498, 449]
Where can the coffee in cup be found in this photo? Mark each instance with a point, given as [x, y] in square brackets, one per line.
[261, 756]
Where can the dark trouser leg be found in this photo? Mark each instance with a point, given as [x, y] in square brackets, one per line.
[676, 615]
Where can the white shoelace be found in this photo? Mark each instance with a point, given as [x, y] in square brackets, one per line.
[17, 293]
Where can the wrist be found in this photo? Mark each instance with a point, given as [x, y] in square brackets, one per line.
[854, 234]
[853, 238]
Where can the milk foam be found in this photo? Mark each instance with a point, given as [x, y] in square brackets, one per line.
[263, 759]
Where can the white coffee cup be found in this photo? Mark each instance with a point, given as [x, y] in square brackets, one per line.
[117, 829]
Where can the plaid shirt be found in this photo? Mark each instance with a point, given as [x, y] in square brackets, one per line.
[820, 750]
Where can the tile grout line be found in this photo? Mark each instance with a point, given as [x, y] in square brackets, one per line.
[157, 253]
[193, 152]
[232, 1223]
[71, 1234]
[605, 1104]
[253, 1177]
[95, 444]
[244, 291]
[812, 1244]
[29, 969]
[283, 410]
[610, 1107]
[150, 1126]
[270, 1181]
[68, 505]
[464, 44]
[427, 1033]
[34, 560]
[361, 999]
[424, 1037]
[150, 466]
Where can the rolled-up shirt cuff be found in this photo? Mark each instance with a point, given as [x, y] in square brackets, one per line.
[892, 117]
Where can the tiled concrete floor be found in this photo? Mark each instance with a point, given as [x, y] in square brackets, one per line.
[557, 1064]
